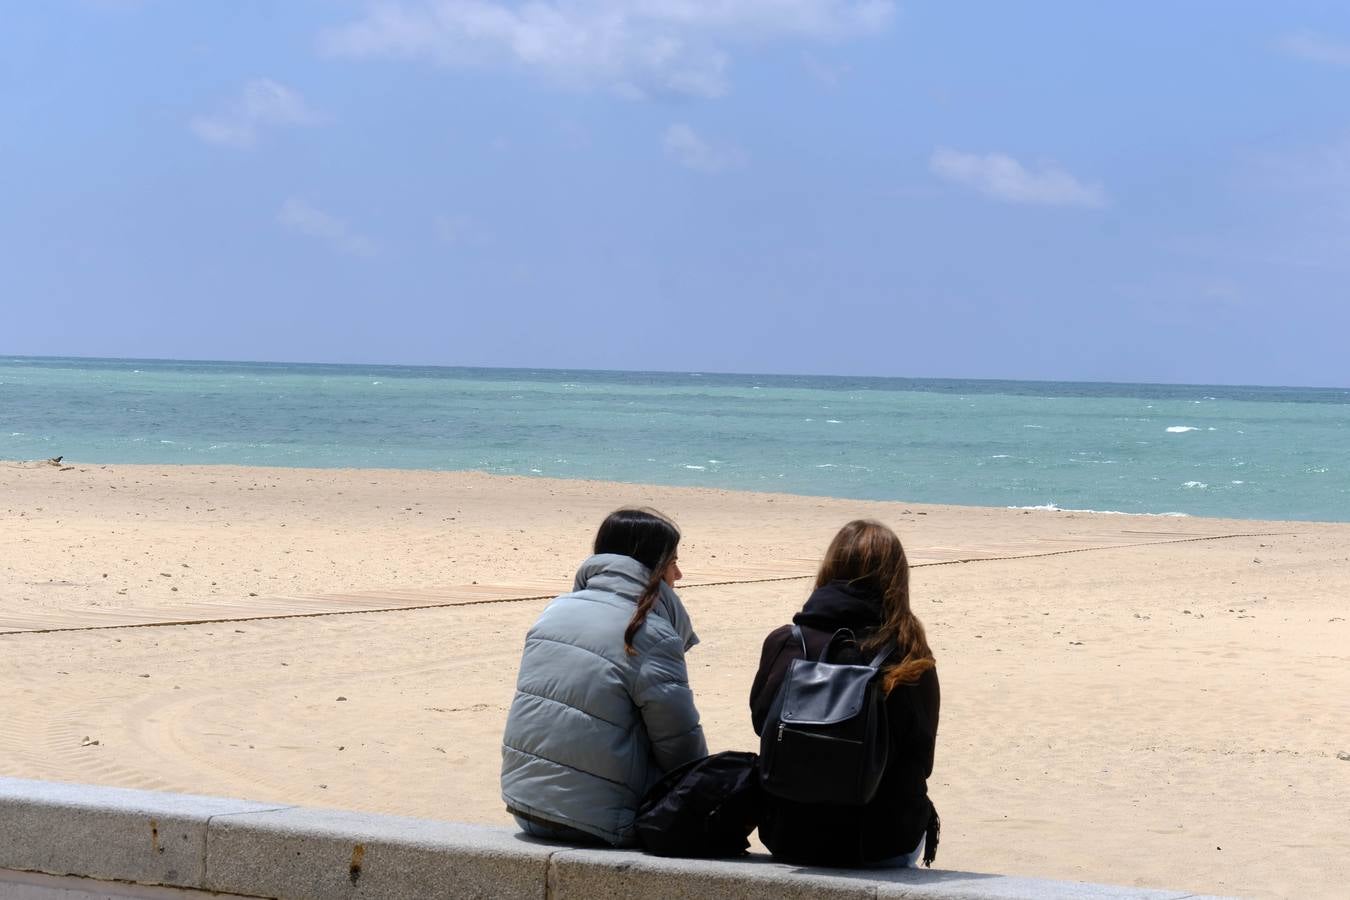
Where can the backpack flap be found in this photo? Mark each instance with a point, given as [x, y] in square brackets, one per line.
[827, 738]
[821, 693]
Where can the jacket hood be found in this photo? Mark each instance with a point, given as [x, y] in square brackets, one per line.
[626, 577]
[841, 604]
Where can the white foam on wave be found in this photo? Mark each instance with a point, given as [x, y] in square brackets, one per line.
[1237, 482]
[834, 421]
[1180, 429]
[696, 468]
[168, 442]
[825, 465]
[1198, 485]
[1050, 507]
[1033, 426]
[1000, 456]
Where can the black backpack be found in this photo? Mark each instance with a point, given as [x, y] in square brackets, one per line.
[705, 808]
[825, 739]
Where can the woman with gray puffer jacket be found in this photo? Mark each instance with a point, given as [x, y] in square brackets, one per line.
[603, 707]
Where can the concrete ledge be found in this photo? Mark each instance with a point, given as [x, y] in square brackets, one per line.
[109, 842]
[622, 874]
[108, 833]
[333, 854]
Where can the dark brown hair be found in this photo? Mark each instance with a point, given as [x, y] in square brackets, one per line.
[651, 539]
[868, 554]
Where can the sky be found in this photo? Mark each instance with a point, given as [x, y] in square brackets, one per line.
[1143, 191]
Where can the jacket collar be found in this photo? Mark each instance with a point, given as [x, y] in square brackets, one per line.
[841, 604]
[626, 577]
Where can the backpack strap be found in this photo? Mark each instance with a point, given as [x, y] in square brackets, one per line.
[881, 656]
[847, 634]
[801, 639]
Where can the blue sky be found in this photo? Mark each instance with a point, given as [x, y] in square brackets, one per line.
[1072, 191]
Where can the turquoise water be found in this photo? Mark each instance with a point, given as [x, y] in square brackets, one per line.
[1243, 452]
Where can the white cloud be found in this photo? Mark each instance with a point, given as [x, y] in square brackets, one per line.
[1006, 179]
[1315, 48]
[686, 147]
[263, 103]
[298, 216]
[636, 47]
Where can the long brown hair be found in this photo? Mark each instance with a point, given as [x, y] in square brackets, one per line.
[868, 554]
[648, 537]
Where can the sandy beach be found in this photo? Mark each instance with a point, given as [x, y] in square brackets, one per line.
[1153, 701]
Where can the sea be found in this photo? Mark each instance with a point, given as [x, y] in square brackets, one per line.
[1146, 449]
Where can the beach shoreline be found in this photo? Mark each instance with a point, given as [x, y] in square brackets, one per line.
[1123, 695]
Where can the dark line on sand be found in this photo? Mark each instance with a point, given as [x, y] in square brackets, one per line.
[687, 587]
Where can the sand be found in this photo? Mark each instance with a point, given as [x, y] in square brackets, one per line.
[1162, 706]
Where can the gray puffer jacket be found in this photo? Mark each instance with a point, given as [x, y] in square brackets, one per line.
[591, 728]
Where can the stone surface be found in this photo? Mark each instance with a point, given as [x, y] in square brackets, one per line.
[96, 842]
[629, 875]
[108, 833]
[332, 854]
[938, 884]
[36, 886]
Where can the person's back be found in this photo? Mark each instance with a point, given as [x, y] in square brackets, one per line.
[602, 709]
[872, 603]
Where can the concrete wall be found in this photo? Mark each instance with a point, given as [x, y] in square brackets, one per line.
[76, 842]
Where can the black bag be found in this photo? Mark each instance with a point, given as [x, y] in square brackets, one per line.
[705, 808]
[825, 739]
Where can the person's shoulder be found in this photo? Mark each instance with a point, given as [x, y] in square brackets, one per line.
[780, 635]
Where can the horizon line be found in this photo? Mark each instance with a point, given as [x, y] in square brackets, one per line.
[685, 372]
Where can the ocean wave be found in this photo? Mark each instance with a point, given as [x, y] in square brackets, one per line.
[1050, 507]
[1198, 485]
[1000, 456]
[1180, 429]
[834, 421]
[696, 468]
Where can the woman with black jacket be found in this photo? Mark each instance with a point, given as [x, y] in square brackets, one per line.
[862, 585]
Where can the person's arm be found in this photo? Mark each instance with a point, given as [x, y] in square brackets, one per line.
[773, 662]
[666, 703]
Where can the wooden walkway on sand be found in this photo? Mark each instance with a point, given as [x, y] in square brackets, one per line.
[49, 619]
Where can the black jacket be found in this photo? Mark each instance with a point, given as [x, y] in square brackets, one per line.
[899, 814]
